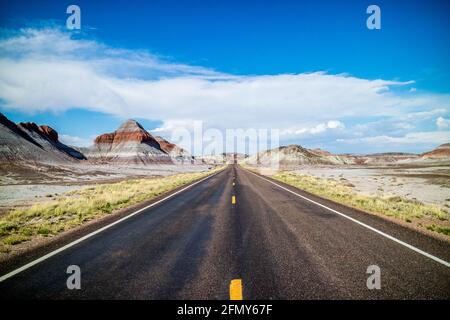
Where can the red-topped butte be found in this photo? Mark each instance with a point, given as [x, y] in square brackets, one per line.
[130, 130]
[129, 144]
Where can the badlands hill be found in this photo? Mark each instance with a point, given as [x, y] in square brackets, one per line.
[28, 141]
[443, 151]
[132, 144]
[172, 149]
[129, 144]
[295, 155]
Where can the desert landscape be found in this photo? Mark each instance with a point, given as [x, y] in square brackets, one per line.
[209, 152]
[40, 175]
[39, 172]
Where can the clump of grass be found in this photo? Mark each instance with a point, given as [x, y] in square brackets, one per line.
[6, 227]
[397, 207]
[442, 230]
[15, 239]
[45, 231]
[79, 206]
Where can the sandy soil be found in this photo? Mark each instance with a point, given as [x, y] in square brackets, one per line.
[427, 184]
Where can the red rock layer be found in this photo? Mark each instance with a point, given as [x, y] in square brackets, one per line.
[105, 138]
[437, 153]
[45, 131]
[49, 132]
[130, 131]
[165, 145]
[118, 137]
[321, 152]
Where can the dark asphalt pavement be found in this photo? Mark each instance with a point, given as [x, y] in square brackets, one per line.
[282, 247]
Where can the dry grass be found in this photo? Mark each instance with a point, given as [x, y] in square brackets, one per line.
[77, 207]
[411, 211]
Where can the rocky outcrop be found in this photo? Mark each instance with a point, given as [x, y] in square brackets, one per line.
[45, 131]
[165, 145]
[441, 152]
[321, 152]
[129, 131]
[28, 141]
[386, 158]
[295, 155]
[173, 150]
[105, 138]
[130, 144]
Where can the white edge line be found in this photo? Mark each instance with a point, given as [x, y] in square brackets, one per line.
[426, 254]
[89, 235]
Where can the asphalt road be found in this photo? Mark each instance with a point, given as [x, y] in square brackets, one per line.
[280, 245]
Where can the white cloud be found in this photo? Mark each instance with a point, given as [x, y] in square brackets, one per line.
[75, 141]
[46, 70]
[317, 129]
[55, 45]
[335, 124]
[415, 138]
[442, 123]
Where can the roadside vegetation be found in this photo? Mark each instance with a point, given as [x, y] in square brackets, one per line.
[77, 207]
[431, 217]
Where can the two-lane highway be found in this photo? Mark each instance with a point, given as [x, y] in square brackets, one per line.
[278, 244]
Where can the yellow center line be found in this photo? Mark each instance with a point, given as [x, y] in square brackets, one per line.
[233, 200]
[236, 289]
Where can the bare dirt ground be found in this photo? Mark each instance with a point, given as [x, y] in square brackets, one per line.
[23, 185]
[430, 185]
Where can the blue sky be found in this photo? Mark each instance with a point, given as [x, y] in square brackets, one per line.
[189, 57]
